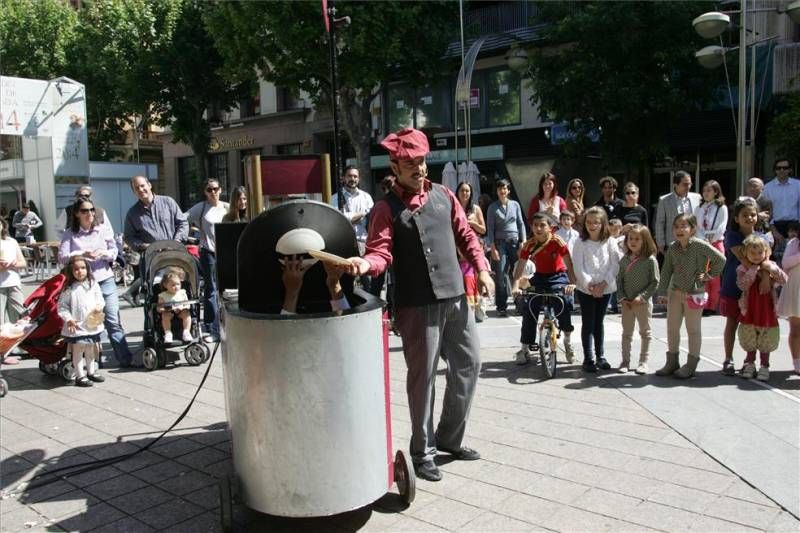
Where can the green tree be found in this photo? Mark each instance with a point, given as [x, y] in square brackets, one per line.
[115, 54]
[286, 42]
[623, 69]
[189, 74]
[784, 132]
[34, 37]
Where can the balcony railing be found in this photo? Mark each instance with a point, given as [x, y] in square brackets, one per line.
[504, 16]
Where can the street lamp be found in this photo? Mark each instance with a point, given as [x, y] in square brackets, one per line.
[711, 26]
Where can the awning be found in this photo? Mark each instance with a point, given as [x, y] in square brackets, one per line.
[525, 174]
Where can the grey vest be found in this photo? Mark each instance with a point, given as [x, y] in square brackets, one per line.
[424, 252]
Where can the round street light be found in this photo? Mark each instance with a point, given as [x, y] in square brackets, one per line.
[710, 56]
[517, 58]
[712, 25]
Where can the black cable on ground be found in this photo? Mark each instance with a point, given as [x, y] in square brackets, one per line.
[51, 476]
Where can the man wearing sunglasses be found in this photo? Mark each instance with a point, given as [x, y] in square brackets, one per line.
[784, 193]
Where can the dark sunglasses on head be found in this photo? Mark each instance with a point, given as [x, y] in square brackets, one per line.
[83, 210]
[212, 189]
[782, 168]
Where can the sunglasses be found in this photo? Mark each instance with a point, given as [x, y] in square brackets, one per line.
[83, 210]
[212, 189]
[631, 193]
[576, 187]
[782, 168]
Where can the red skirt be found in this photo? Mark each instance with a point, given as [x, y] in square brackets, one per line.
[713, 285]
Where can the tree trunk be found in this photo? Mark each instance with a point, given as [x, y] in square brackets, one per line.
[357, 125]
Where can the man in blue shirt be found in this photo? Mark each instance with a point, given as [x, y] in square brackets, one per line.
[784, 193]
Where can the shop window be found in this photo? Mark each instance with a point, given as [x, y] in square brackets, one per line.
[218, 168]
[188, 182]
[434, 106]
[400, 102]
[503, 96]
[289, 149]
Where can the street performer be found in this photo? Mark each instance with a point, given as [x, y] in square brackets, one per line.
[416, 228]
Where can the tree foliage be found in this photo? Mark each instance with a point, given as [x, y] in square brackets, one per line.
[34, 37]
[623, 69]
[784, 132]
[286, 42]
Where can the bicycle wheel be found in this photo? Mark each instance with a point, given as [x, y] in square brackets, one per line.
[547, 349]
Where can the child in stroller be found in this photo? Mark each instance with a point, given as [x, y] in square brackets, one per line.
[170, 304]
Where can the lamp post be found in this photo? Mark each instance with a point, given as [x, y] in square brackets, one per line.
[710, 26]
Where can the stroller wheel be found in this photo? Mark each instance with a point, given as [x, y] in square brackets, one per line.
[194, 354]
[51, 369]
[206, 352]
[3, 387]
[150, 359]
[66, 370]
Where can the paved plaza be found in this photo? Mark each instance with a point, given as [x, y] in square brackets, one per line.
[575, 453]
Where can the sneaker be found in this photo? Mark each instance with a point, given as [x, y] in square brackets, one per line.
[168, 337]
[603, 364]
[83, 382]
[589, 366]
[623, 368]
[749, 371]
[187, 336]
[728, 368]
[428, 471]
[462, 454]
[569, 353]
[642, 369]
[523, 355]
[763, 374]
[97, 378]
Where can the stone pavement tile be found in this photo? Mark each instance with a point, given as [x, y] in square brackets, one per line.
[741, 512]
[204, 523]
[557, 490]
[161, 471]
[169, 513]
[176, 446]
[607, 503]
[141, 500]
[743, 491]
[117, 486]
[35, 450]
[127, 525]
[219, 470]
[406, 523]
[692, 500]
[377, 521]
[70, 503]
[470, 469]
[212, 437]
[187, 482]
[528, 508]
[705, 524]
[704, 480]
[207, 497]
[445, 513]
[16, 520]
[202, 457]
[115, 449]
[46, 492]
[448, 486]
[9, 504]
[139, 461]
[659, 516]
[569, 519]
[784, 522]
[493, 522]
[509, 477]
[480, 494]
[94, 476]
[96, 515]
[15, 463]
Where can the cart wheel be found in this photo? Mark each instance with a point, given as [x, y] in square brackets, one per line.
[404, 477]
[225, 504]
[3, 387]
[66, 370]
[51, 369]
[150, 359]
[194, 354]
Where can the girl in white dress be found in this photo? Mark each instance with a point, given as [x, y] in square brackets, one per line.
[789, 300]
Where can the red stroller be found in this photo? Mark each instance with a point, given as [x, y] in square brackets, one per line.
[45, 343]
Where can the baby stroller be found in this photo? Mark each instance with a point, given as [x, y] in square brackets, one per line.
[159, 257]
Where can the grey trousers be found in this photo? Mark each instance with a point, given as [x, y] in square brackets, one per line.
[448, 329]
[11, 300]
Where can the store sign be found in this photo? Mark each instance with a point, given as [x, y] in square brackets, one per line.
[561, 133]
[219, 144]
[56, 109]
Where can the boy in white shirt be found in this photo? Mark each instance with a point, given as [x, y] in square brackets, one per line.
[565, 230]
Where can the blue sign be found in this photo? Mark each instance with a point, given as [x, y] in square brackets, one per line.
[561, 133]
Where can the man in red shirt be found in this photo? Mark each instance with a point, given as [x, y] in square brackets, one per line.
[416, 228]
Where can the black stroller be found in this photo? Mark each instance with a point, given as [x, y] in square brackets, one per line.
[160, 257]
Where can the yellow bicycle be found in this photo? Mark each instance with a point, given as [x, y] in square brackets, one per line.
[552, 305]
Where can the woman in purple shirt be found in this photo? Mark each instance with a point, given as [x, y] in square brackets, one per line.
[84, 236]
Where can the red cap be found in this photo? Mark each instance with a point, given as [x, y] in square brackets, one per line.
[407, 143]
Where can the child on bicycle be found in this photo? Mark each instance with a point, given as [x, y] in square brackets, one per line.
[637, 280]
[550, 255]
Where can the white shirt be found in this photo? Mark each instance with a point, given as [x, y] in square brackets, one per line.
[785, 199]
[570, 236]
[210, 215]
[8, 252]
[355, 203]
[711, 221]
[595, 262]
[75, 303]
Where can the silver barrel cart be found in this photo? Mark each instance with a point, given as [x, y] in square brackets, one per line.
[306, 395]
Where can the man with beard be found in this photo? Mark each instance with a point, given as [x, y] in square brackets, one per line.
[356, 205]
[416, 229]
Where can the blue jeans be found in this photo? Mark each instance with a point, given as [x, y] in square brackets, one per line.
[593, 312]
[509, 252]
[208, 268]
[116, 335]
[546, 283]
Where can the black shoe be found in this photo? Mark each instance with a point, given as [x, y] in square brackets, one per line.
[534, 348]
[428, 471]
[462, 454]
[602, 364]
[502, 313]
[728, 367]
[97, 378]
[589, 366]
[84, 382]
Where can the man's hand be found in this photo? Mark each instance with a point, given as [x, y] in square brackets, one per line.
[637, 301]
[358, 267]
[486, 283]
